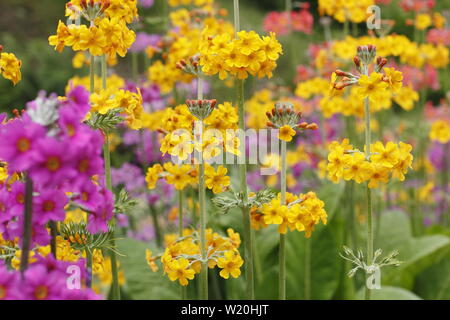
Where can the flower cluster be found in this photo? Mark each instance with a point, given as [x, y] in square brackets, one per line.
[440, 131]
[44, 280]
[180, 176]
[282, 23]
[36, 146]
[247, 54]
[10, 66]
[284, 118]
[107, 33]
[182, 259]
[346, 10]
[348, 163]
[127, 103]
[300, 213]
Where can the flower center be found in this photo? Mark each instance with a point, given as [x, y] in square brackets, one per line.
[2, 292]
[2, 207]
[23, 144]
[84, 196]
[84, 165]
[48, 205]
[53, 163]
[20, 198]
[41, 292]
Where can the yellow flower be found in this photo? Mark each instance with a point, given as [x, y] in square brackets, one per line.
[94, 40]
[152, 175]
[405, 160]
[371, 86]
[440, 131]
[230, 265]
[273, 212]
[181, 271]
[217, 181]
[178, 176]
[357, 168]
[394, 78]
[151, 260]
[405, 97]
[379, 174]
[422, 21]
[385, 156]
[286, 133]
[10, 67]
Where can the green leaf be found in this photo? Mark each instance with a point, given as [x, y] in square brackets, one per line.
[389, 293]
[140, 282]
[417, 254]
[434, 282]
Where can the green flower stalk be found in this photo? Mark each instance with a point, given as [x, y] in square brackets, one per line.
[27, 224]
[180, 233]
[249, 272]
[282, 274]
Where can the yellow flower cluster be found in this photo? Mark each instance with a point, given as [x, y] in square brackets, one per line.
[107, 36]
[345, 10]
[183, 45]
[348, 163]
[180, 176]
[181, 258]
[248, 54]
[10, 67]
[113, 83]
[440, 131]
[408, 52]
[300, 213]
[179, 140]
[129, 103]
[197, 3]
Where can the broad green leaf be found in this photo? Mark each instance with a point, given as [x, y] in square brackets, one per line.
[389, 293]
[434, 282]
[416, 253]
[140, 282]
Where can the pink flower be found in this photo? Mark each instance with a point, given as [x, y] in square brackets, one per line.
[53, 164]
[9, 285]
[439, 36]
[49, 205]
[89, 196]
[18, 143]
[280, 23]
[98, 219]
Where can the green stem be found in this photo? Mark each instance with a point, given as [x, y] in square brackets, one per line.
[134, 66]
[308, 269]
[53, 234]
[27, 224]
[369, 253]
[282, 253]
[202, 200]
[92, 74]
[88, 268]
[158, 234]
[180, 234]
[107, 157]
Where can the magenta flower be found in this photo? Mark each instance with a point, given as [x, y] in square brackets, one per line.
[9, 285]
[17, 198]
[5, 205]
[53, 163]
[49, 205]
[19, 138]
[98, 219]
[89, 196]
[42, 285]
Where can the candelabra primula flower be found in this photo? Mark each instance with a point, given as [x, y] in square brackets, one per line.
[216, 180]
[10, 66]
[345, 162]
[181, 259]
[352, 10]
[440, 131]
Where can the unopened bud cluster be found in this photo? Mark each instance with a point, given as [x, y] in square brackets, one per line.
[201, 108]
[90, 9]
[192, 66]
[284, 115]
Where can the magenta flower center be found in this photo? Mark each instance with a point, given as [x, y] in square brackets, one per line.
[84, 165]
[41, 292]
[20, 198]
[2, 292]
[48, 205]
[23, 144]
[53, 163]
[2, 208]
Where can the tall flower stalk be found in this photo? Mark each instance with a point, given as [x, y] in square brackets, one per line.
[27, 224]
[180, 234]
[202, 200]
[282, 274]
[249, 274]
